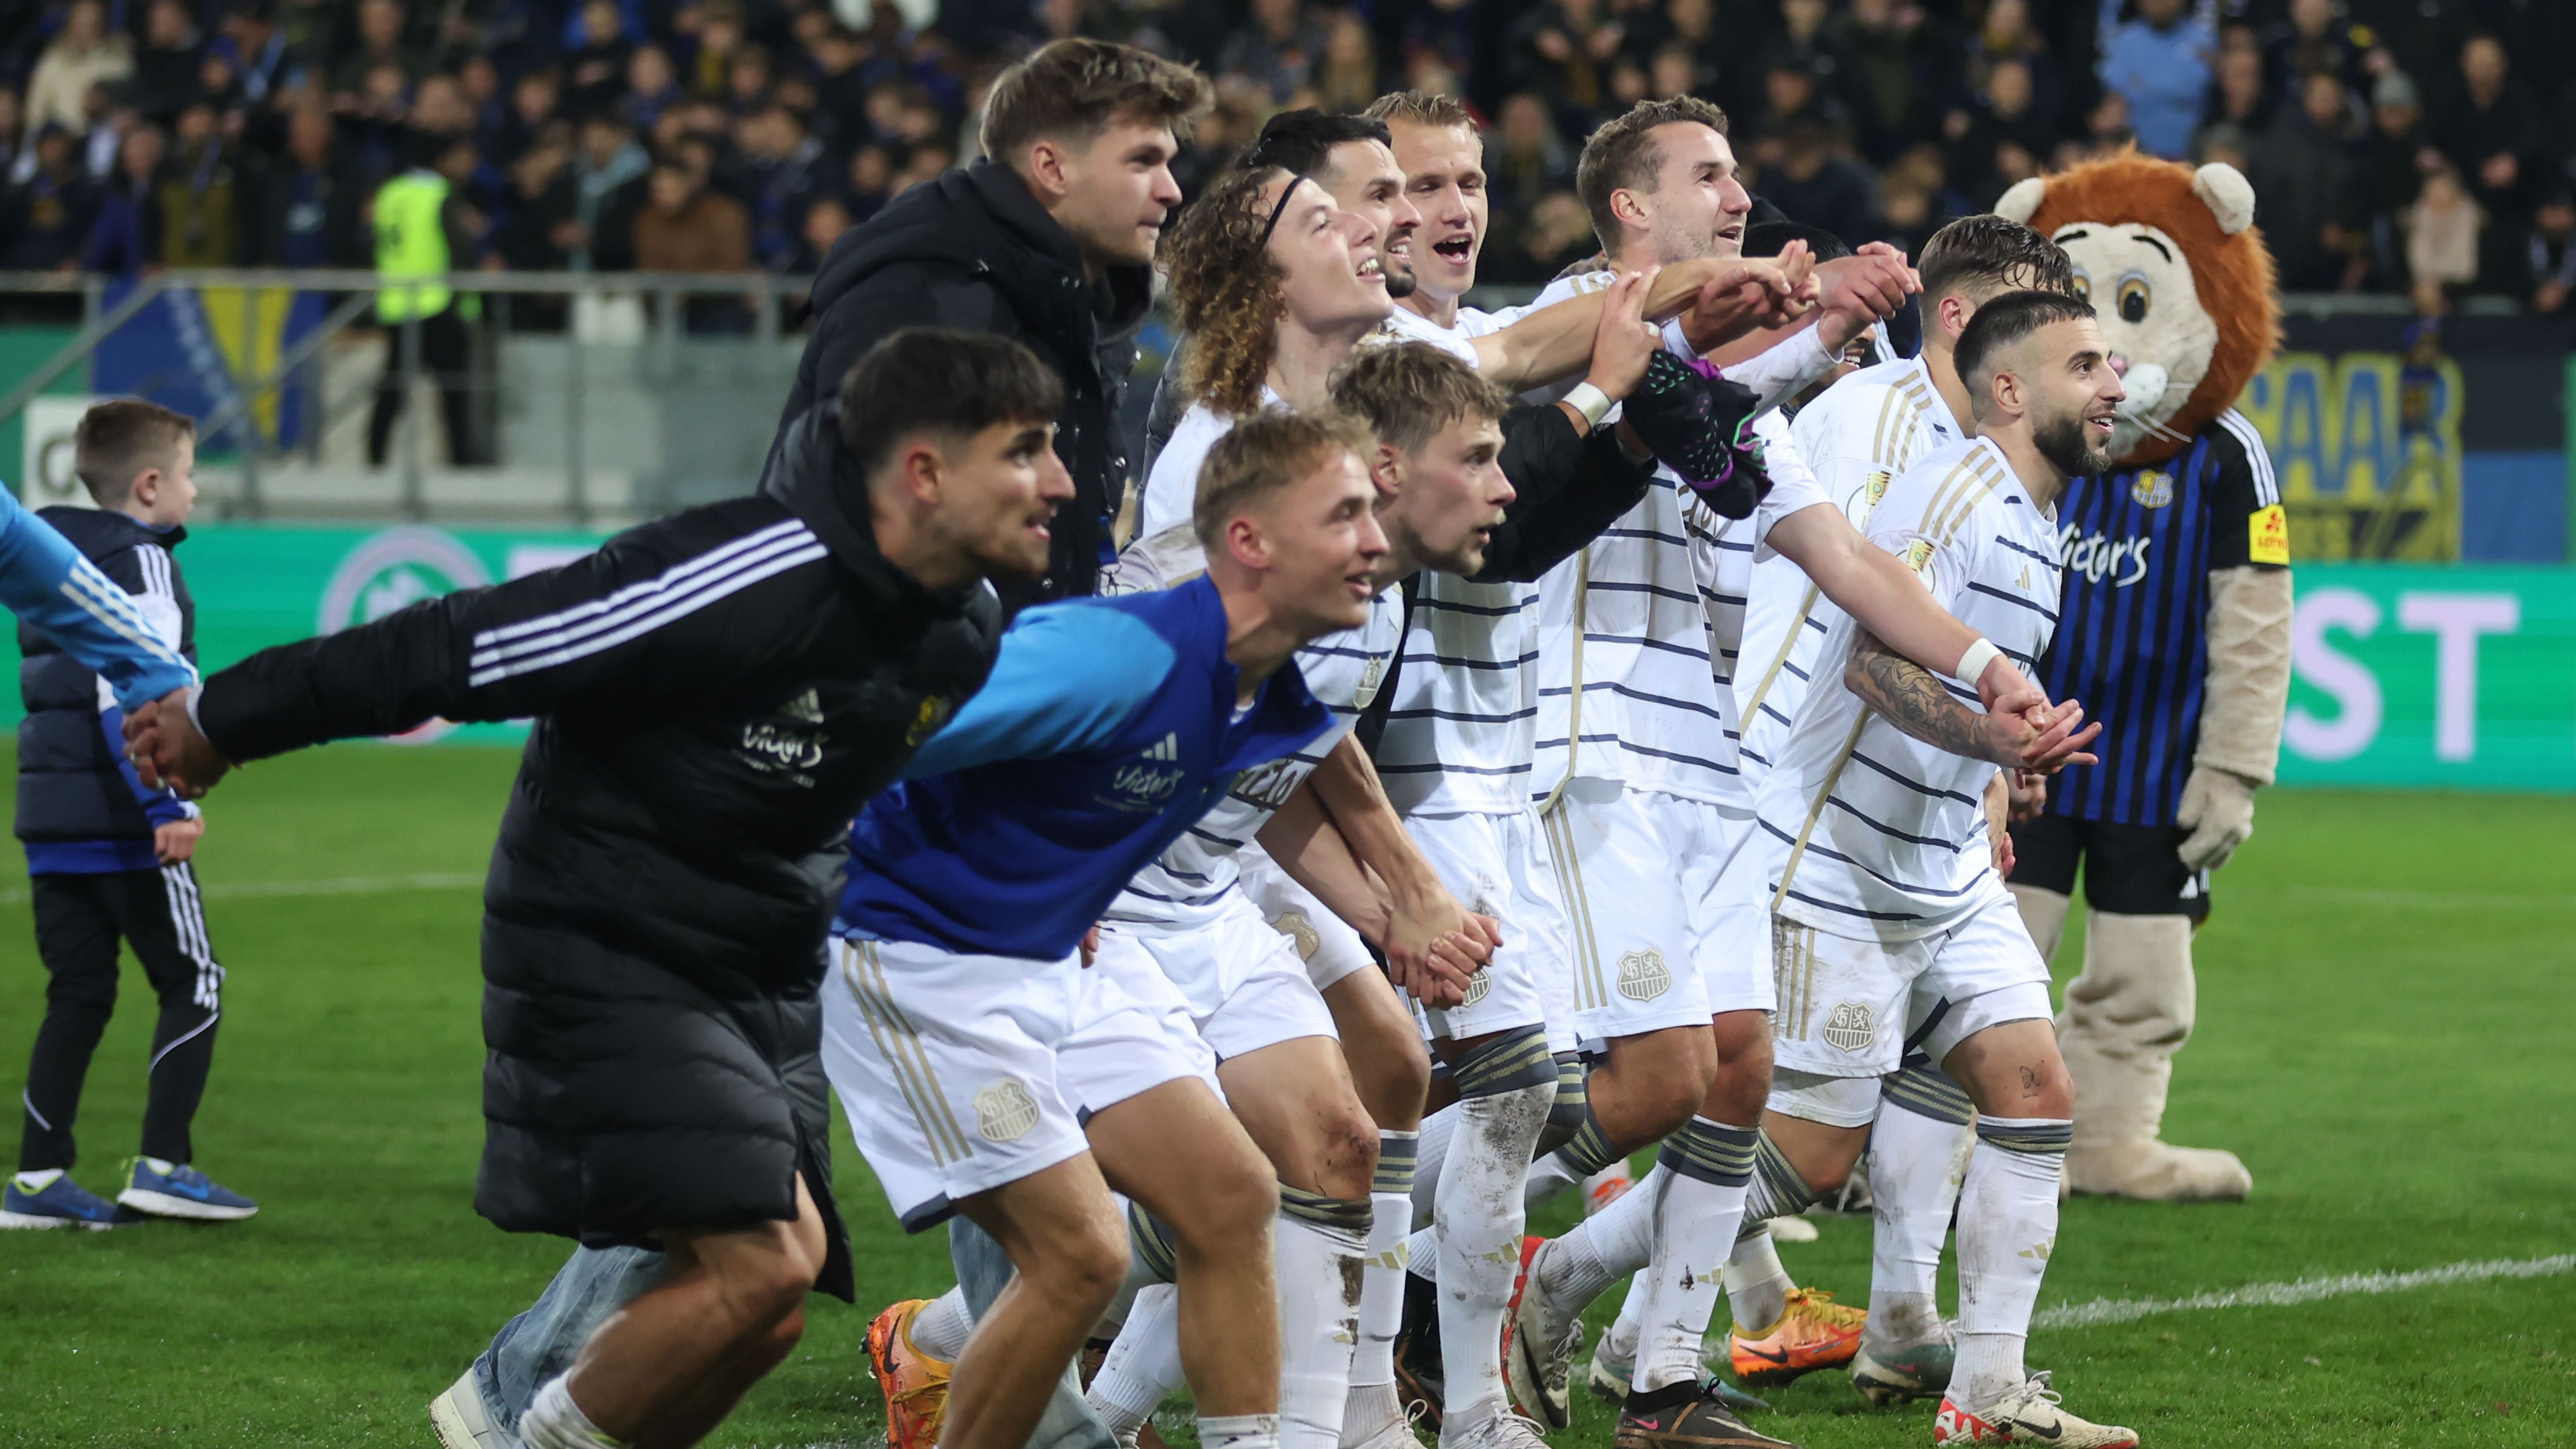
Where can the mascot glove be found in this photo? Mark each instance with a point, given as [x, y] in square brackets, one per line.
[1700, 424]
[2218, 810]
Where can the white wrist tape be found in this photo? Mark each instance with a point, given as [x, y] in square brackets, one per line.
[1590, 401]
[1972, 663]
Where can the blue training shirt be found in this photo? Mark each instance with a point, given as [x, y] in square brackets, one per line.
[1107, 728]
[45, 581]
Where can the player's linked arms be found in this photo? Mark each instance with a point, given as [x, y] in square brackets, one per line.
[2020, 731]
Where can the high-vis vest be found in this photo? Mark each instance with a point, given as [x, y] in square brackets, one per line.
[411, 241]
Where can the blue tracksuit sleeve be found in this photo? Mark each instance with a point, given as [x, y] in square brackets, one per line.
[46, 582]
[1069, 677]
[159, 806]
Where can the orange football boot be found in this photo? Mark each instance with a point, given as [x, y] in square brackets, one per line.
[1814, 1332]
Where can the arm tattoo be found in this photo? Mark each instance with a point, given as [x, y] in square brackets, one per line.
[1911, 698]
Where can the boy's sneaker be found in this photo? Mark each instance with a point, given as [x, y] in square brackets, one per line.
[2030, 1414]
[176, 1190]
[61, 1203]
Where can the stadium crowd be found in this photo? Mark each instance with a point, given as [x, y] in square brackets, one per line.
[2396, 144]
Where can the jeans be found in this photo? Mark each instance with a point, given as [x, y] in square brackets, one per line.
[543, 1342]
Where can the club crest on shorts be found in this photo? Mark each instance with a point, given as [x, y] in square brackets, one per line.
[1301, 933]
[1004, 1111]
[1851, 1027]
[1477, 986]
[1642, 976]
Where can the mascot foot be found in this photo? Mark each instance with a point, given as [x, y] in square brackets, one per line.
[2156, 1172]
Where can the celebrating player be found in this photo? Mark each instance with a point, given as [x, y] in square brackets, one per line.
[716, 693]
[1891, 919]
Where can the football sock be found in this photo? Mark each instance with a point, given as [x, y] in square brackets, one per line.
[1916, 1154]
[1507, 1086]
[1143, 1365]
[1239, 1431]
[2007, 1228]
[1698, 1187]
[1571, 1109]
[1548, 1176]
[940, 1328]
[1368, 1412]
[554, 1421]
[1382, 1286]
[32, 1182]
[1431, 1153]
[1619, 1340]
[1321, 1245]
[1603, 1248]
[1757, 1287]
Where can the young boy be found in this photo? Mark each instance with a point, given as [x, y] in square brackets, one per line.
[108, 857]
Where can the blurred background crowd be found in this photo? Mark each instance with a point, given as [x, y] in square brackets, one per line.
[2415, 146]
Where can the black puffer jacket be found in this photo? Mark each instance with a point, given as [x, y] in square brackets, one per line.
[71, 786]
[973, 250]
[716, 694]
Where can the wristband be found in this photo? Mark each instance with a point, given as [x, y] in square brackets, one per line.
[1973, 662]
[1590, 401]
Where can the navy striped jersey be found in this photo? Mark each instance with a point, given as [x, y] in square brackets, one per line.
[2132, 638]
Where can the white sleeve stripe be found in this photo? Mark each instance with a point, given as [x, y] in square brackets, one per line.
[646, 598]
[2267, 486]
[665, 612]
[119, 619]
[676, 574]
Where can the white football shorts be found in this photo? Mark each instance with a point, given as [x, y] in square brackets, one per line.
[1324, 941]
[1724, 894]
[1239, 980]
[1497, 865]
[1849, 1007]
[1633, 968]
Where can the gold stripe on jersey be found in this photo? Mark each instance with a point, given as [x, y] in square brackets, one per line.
[1573, 701]
[1788, 646]
[1887, 419]
[1589, 990]
[1968, 483]
[1816, 809]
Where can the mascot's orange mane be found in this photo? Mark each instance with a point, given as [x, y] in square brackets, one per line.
[2233, 274]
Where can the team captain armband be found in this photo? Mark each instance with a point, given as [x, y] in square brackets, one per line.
[2267, 539]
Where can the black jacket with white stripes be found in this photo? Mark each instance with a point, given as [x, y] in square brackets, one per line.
[715, 695]
[80, 809]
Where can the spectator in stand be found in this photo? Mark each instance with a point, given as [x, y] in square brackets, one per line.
[2313, 38]
[720, 34]
[1894, 84]
[17, 157]
[380, 44]
[2308, 176]
[203, 197]
[536, 103]
[1818, 186]
[257, 51]
[1556, 235]
[922, 163]
[1526, 159]
[45, 219]
[1275, 49]
[310, 204]
[781, 172]
[608, 180]
[2442, 245]
[870, 183]
[2002, 140]
[687, 226]
[2159, 63]
[2551, 255]
[824, 222]
[2392, 162]
[747, 80]
[595, 67]
[2241, 98]
[1563, 49]
[538, 227]
[125, 234]
[652, 86]
[165, 67]
[83, 55]
[2007, 34]
[1348, 79]
[2490, 132]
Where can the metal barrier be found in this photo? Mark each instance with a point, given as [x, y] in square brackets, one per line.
[763, 294]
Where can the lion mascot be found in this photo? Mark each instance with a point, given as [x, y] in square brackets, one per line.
[2174, 630]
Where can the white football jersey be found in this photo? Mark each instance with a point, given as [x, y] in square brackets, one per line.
[1172, 490]
[1881, 834]
[1863, 432]
[1404, 325]
[1637, 633]
[1185, 885]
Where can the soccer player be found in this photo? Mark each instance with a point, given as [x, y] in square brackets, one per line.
[108, 858]
[1108, 730]
[1891, 921]
[1859, 435]
[1636, 749]
[716, 693]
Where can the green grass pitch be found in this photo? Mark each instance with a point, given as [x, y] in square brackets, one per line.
[2385, 1035]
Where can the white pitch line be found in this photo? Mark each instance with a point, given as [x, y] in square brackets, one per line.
[2106, 1311]
[353, 885]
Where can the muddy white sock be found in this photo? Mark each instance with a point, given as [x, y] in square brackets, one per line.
[1321, 1246]
[1695, 1207]
[1382, 1288]
[1603, 1248]
[1917, 1151]
[1431, 1154]
[1143, 1365]
[1480, 1221]
[2007, 1229]
[1757, 1287]
[554, 1421]
[1239, 1431]
[1548, 1176]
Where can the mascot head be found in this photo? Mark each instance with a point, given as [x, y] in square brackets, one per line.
[2174, 266]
